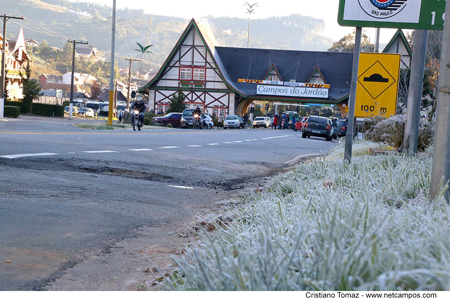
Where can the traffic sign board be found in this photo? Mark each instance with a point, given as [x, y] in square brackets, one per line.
[407, 14]
[376, 93]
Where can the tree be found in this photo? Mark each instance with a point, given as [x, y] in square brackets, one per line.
[95, 90]
[143, 50]
[31, 87]
[177, 102]
[347, 43]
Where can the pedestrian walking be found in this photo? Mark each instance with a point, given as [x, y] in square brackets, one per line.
[293, 122]
[275, 122]
[286, 121]
[120, 116]
[245, 119]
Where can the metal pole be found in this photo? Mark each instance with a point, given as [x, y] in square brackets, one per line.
[72, 79]
[352, 100]
[411, 137]
[441, 158]
[377, 40]
[129, 80]
[3, 75]
[111, 81]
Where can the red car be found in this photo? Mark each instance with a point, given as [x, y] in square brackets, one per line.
[299, 124]
[171, 118]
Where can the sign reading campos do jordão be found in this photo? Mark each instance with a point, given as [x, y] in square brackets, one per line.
[407, 14]
[288, 91]
[378, 77]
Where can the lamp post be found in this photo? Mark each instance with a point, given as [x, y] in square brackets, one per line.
[250, 11]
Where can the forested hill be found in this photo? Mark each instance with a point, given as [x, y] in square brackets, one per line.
[92, 22]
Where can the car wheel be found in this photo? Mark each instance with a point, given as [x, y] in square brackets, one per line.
[303, 135]
[295, 129]
[164, 124]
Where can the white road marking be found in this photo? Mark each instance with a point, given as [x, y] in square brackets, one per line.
[194, 146]
[256, 139]
[4, 120]
[248, 141]
[28, 155]
[100, 151]
[181, 187]
[213, 144]
[238, 142]
[141, 150]
[228, 142]
[170, 147]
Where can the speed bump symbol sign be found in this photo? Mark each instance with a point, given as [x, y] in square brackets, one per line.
[376, 94]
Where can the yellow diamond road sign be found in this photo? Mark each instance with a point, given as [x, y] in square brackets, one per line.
[376, 94]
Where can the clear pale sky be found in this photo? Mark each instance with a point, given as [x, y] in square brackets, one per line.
[321, 9]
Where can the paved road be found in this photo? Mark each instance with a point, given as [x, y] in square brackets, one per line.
[71, 195]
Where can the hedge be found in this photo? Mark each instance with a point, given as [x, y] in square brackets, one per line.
[12, 111]
[47, 110]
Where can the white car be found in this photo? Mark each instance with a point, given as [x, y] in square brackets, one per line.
[86, 112]
[208, 121]
[261, 122]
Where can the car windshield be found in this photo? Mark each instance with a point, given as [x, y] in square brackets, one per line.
[188, 113]
[318, 120]
[168, 115]
[259, 119]
[231, 118]
[341, 123]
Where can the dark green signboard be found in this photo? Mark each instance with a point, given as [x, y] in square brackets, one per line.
[407, 14]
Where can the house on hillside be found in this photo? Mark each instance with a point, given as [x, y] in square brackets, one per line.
[17, 56]
[82, 82]
[399, 45]
[86, 53]
[32, 43]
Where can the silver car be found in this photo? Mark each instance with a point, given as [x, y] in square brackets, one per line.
[231, 121]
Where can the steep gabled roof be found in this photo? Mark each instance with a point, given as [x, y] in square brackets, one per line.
[274, 68]
[208, 41]
[20, 49]
[399, 35]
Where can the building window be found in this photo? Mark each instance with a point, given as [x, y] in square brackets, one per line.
[185, 73]
[199, 74]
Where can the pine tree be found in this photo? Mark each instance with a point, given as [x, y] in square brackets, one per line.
[31, 87]
[177, 102]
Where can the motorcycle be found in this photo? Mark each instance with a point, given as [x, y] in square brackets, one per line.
[136, 120]
[197, 122]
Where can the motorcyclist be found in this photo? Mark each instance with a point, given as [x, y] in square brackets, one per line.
[140, 105]
[198, 112]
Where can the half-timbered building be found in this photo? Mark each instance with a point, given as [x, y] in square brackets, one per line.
[225, 80]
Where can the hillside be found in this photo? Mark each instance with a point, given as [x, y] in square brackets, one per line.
[59, 20]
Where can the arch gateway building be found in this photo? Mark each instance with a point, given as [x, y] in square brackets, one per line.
[225, 80]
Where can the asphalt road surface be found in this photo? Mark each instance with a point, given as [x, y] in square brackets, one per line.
[81, 209]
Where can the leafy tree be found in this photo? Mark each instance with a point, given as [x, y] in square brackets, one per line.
[177, 102]
[95, 90]
[31, 87]
[347, 43]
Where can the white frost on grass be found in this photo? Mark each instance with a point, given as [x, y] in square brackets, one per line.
[328, 225]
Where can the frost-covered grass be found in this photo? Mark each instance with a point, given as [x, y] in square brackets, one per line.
[327, 225]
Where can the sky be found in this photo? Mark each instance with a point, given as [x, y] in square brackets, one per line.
[320, 9]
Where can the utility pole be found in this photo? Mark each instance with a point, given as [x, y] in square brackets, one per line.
[441, 158]
[72, 79]
[129, 79]
[3, 75]
[377, 41]
[111, 81]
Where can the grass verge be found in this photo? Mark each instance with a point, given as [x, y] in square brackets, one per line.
[326, 225]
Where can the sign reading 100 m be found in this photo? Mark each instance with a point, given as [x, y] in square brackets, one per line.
[407, 14]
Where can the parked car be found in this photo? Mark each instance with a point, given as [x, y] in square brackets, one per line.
[170, 118]
[318, 126]
[231, 121]
[342, 127]
[208, 121]
[261, 122]
[74, 109]
[86, 112]
[187, 119]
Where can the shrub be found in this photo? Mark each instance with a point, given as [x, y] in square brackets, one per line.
[217, 123]
[169, 125]
[148, 117]
[12, 111]
[391, 131]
